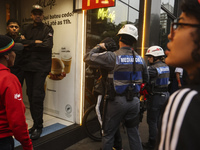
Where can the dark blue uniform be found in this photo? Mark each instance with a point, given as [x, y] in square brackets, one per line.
[119, 108]
[159, 78]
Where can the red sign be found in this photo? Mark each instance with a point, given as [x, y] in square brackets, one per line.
[93, 4]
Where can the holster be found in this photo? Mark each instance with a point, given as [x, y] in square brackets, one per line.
[129, 93]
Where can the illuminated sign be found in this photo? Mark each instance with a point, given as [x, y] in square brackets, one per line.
[106, 14]
[93, 4]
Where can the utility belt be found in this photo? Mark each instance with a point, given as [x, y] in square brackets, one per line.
[129, 94]
[157, 90]
[124, 94]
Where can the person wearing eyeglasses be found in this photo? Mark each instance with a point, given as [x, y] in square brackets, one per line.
[38, 38]
[13, 28]
[179, 128]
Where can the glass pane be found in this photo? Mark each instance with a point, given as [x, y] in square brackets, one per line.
[102, 23]
[135, 3]
[165, 23]
[125, 1]
[133, 16]
[169, 4]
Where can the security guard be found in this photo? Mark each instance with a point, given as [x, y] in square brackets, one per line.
[158, 85]
[129, 72]
[38, 39]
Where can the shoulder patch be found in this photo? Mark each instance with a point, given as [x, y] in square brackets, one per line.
[17, 96]
[50, 34]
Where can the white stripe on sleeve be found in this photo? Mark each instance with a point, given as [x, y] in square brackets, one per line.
[180, 118]
[164, 120]
[172, 115]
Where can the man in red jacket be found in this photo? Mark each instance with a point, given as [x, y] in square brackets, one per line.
[12, 109]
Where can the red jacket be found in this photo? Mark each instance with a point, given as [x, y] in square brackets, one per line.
[12, 109]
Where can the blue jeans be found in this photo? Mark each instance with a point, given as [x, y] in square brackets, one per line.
[7, 143]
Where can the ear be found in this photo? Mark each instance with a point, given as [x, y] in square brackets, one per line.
[7, 57]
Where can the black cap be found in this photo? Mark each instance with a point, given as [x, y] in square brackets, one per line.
[37, 7]
[7, 45]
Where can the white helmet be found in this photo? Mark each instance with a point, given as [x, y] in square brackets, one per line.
[155, 51]
[130, 30]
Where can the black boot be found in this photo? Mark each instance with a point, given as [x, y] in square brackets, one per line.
[36, 134]
[149, 145]
[31, 130]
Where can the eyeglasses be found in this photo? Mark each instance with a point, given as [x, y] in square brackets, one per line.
[14, 27]
[177, 25]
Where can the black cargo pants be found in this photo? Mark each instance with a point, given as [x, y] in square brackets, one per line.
[35, 90]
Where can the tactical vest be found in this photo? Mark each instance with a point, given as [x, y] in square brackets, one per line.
[123, 71]
[163, 75]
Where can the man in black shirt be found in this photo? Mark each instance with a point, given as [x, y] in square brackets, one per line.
[13, 28]
[38, 38]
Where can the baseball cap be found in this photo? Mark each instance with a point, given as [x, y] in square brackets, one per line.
[7, 45]
[37, 7]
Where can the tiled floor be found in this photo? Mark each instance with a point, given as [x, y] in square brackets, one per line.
[48, 120]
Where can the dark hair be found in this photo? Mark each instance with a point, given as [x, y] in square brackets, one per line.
[110, 44]
[192, 8]
[12, 20]
[158, 58]
[127, 39]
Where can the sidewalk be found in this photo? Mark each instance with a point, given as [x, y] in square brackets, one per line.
[88, 144]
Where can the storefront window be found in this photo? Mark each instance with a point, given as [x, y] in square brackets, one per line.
[106, 22]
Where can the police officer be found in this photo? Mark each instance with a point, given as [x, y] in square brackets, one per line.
[158, 85]
[38, 38]
[129, 71]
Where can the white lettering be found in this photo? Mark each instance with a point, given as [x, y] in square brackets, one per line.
[164, 69]
[130, 59]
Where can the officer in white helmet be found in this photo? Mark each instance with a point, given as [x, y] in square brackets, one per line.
[129, 71]
[158, 89]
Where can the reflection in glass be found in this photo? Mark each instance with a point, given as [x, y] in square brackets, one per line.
[165, 22]
[106, 22]
[169, 4]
